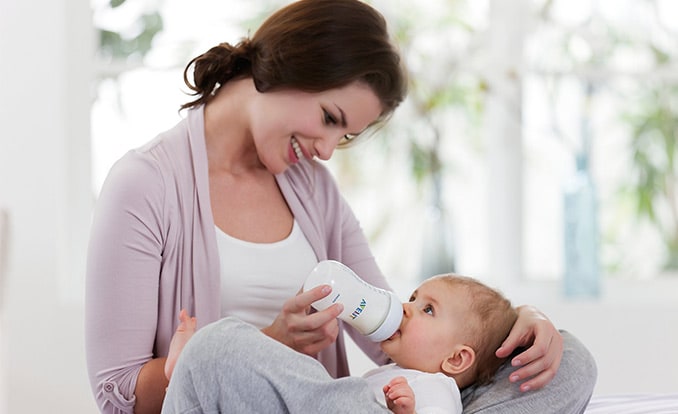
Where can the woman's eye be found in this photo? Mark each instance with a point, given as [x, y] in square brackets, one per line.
[428, 309]
[329, 119]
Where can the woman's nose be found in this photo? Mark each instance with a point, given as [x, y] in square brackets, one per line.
[325, 147]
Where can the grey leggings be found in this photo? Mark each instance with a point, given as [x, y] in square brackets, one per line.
[231, 367]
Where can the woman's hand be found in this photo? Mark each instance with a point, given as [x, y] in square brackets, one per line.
[399, 396]
[184, 332]
[303, 331]
[540, 361]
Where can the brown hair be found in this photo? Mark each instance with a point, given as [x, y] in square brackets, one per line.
[310, 45]
[495, 316]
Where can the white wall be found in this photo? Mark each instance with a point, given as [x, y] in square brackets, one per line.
[45, 70]
[631, 331]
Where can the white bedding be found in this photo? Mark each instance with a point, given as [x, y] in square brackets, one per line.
[634, 404]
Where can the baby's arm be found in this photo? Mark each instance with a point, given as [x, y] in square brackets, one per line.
[399, 396]
[184, 332]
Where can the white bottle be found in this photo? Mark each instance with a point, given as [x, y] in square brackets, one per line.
[375, 313]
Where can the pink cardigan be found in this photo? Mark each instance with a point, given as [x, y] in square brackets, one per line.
[153, 252]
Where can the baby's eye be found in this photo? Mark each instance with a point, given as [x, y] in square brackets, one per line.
[411, 299]
[328, 118]
[428, 309]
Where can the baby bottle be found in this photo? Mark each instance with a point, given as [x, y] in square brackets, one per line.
[375, 313]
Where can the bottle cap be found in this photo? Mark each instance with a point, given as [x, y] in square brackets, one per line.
[392, 321]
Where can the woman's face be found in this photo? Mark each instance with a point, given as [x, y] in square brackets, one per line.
[434, 322]
[289, 125]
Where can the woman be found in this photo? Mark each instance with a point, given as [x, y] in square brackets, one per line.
[226, 213]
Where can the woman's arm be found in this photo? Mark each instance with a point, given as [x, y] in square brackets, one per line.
[154, 376]
[122, 293]
[151, 385]
[568, 392]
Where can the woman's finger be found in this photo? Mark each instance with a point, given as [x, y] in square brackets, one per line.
[523, 331]
[533, 382]
[535, 369]
[543, 347]
[313, 341]
[302, 301]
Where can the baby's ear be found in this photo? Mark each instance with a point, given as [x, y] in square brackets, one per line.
[461, 359]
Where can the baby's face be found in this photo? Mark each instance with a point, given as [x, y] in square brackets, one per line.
[434, 320]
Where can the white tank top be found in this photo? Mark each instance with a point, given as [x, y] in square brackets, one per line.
[257, 278]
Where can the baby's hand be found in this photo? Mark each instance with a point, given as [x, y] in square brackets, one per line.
[184, 332]
[399, 396]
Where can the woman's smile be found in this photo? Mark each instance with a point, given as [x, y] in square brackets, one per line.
[297, 151]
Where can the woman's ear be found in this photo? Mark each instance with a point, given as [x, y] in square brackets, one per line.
[461, 359]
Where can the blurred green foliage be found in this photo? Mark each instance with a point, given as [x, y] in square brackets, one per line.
[654, 173]
[135, 40]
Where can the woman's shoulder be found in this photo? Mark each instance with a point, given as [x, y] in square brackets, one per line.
[133, 177]
[168, 151]
[147, 168]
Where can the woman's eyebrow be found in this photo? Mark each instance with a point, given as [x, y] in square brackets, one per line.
[342, 117]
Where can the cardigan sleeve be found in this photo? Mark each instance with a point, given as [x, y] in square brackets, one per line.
[122, 280]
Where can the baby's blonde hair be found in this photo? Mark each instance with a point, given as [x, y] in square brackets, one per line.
[495, 316]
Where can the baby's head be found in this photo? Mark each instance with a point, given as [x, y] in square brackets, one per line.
[453, 324]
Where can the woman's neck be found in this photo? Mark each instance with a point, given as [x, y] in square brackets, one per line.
[228, 136]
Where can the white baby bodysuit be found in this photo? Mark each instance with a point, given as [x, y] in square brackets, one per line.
[433, 393]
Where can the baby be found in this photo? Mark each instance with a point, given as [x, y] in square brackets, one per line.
[450, 329]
